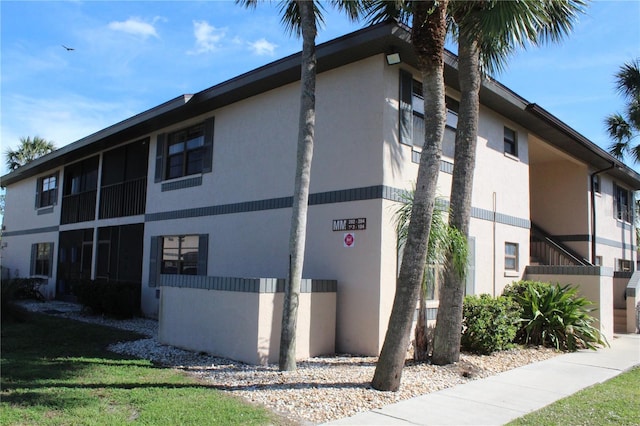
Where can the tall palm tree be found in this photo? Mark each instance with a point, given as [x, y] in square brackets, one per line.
[28, 150]
[428, 31]
[487, 33]
[301, 17]
[623, 128]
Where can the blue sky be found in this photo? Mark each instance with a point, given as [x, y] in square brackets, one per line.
[131, 56]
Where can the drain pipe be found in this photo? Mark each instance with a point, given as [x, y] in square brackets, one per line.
[593, 209]
[494, 244]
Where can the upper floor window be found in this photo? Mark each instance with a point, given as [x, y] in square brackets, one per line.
[185, 152]
[412, 113]
[510, 142]
[623, 204]
[184, 156]
[47, 191]
[596, 184]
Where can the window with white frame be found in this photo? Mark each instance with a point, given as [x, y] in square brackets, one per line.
[596, 184]
[510, 141]
[412, 113]
[185, 152]
[624, 265]
[510, 256]
[47, 191]
[623, 203]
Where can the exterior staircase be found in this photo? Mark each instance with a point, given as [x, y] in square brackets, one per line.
[545, 250]
[619, 320]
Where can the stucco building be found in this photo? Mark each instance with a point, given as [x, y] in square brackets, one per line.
[193, 200]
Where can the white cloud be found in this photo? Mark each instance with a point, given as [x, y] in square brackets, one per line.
[262, 47]
[136, 27]
[207, 37]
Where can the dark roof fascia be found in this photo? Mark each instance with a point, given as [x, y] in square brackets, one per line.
[134, 127]
[551, 129]
[332, 54]
[620, 170]
[353, 47]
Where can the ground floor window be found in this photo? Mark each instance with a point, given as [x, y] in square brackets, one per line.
[624, 265]
[511, 256]
[180, 255]
[41, 259]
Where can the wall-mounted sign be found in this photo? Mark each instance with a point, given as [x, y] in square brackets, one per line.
[349, 239]
[359, 224]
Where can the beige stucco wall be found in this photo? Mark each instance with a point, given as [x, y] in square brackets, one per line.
[560, 198]
[21, 215]
[257, 161]
[610, 231]
[244, 326]
[561, 204]
[501, 183]
[597, 289]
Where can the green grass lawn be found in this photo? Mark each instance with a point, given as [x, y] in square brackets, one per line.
[614, 402]
[58, 372]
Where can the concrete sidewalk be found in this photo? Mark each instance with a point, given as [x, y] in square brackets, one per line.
[506, 396]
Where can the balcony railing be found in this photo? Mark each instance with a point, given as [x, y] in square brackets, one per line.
[79, 207]
[123, 199]
[550, 252]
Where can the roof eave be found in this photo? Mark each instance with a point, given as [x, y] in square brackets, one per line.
[133, 127]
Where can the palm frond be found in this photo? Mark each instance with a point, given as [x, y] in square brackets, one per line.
[381, 11]
[628, 80]
[501, 27]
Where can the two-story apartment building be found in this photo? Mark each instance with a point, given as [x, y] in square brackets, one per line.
[193, 198]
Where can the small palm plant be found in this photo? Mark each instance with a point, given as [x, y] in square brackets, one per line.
[443, 239]
[555, 316]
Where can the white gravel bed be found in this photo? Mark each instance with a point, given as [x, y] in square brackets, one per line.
[321, 390]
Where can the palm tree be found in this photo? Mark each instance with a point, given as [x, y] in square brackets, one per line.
[487, 32]
[624, 128]
[443, 239]
[428, 31]
[28, 150]
[301, 17]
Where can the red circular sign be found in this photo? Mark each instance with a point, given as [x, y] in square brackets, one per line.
[348, 240]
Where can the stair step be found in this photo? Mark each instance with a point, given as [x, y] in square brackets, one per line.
[619, 320]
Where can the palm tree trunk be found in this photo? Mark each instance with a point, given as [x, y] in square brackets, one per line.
[446, 341]
[428, 34]
[421, 346]
[287, 357]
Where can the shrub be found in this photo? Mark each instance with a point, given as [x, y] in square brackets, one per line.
[10, 291]
[554, 315]
[120, 299]
[489, 324]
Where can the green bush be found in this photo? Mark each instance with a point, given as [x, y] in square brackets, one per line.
[489, 324]
[120, 299]
[554, 316]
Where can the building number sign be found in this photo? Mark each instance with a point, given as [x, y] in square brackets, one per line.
[359, 224]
